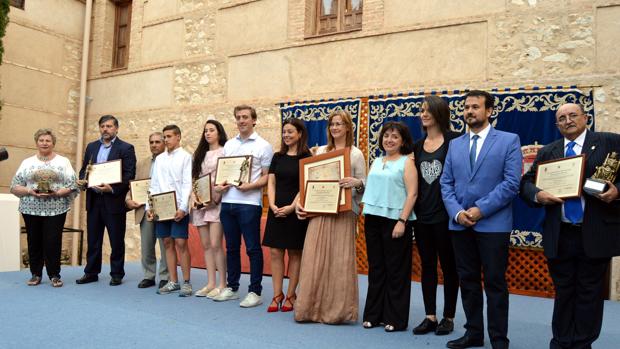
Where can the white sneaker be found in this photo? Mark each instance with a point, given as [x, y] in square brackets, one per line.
[226, 295]
[251, 300]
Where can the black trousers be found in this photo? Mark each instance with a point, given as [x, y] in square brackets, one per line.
[98, 219]
[44, 235]
[579, 285]
[435, 240]
[389, 273]
[478, 253]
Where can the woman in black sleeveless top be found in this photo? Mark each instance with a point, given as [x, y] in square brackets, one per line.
[431, 227]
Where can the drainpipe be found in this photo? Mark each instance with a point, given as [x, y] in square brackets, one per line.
[77, 207]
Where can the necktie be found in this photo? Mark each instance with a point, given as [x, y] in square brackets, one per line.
[572, 207]
[472, 152]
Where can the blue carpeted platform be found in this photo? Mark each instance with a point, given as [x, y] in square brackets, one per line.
[100, 316]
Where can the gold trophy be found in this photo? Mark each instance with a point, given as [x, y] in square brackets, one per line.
[151, 208]
[245, 167]
[606, 172]
[83, 183]
[199, 203]
[44, 179]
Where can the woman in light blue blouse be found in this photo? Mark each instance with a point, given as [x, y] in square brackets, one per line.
[390, 195]
[45, 184]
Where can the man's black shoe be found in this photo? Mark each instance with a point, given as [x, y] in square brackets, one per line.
[465, 342]
[86, 279]
[425, 327]
[146, 283]
[116, 281]
[446, 326]
[162, 283]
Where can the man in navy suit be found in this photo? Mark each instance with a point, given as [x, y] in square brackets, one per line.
[479, 181]
[105, 203]
[580, 235]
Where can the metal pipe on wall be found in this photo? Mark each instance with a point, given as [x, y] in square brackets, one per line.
[77, 206]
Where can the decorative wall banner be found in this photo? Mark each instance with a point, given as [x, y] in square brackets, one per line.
[529, 113]
[315, 114]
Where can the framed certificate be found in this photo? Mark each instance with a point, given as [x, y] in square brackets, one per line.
[234, 170]
[322, 197]
[562, 177]
[164, 205]
[202, 189]
[109, 172]
[334, 165]
[139, 189]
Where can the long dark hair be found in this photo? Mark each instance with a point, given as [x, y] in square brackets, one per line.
[439, 109]
[302, 144]
[203, 146]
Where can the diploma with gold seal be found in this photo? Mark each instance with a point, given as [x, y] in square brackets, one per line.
[233, 170]
[322, 197]
[561, 178]
[139, 189]
[164, 205]
[109, 172]
[331, 166]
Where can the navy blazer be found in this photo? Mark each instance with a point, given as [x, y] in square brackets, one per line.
[114, 202]
[601, 221]
[491, 185]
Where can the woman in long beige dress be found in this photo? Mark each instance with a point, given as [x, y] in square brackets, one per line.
[328, 290]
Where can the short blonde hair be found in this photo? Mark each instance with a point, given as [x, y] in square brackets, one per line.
[45, 132]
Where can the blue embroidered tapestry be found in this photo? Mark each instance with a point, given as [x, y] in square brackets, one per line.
[315, 114]
[530, 114]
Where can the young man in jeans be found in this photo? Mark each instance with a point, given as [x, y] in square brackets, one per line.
[242, 207]
[172, 171]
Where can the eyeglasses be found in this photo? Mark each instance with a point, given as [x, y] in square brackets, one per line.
[572, 117]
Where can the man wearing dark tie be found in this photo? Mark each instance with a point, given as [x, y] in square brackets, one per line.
[580, 235]
[105, 203]
[479, 181]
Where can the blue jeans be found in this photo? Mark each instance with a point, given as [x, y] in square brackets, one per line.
[238, 220]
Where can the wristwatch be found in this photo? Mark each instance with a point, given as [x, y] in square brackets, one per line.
[402, 220]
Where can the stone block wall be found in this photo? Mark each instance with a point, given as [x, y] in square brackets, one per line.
[191, 60]
[262, 52]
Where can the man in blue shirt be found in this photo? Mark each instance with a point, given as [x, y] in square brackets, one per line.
[105, 203]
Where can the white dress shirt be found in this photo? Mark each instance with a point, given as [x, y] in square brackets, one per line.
[483, 136]
[261, 152]
[578, 149]
[172, 171]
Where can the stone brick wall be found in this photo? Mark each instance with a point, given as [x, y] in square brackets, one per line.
[191, 60]
[223, 61]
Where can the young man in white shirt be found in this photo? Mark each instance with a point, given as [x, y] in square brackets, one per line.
[242, 207]
[172, 171]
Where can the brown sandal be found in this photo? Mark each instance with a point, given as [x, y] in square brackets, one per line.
[34, 280]
[56, 282]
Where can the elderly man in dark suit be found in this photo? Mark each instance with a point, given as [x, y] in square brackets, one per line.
[105, 203]
[580, 235]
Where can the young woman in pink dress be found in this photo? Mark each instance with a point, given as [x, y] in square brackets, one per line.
[207, 218]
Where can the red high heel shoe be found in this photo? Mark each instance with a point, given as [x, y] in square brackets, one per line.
[278, 301]
[291, 300]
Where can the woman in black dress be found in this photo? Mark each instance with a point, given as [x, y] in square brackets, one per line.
[284, 232]
[431, 227]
